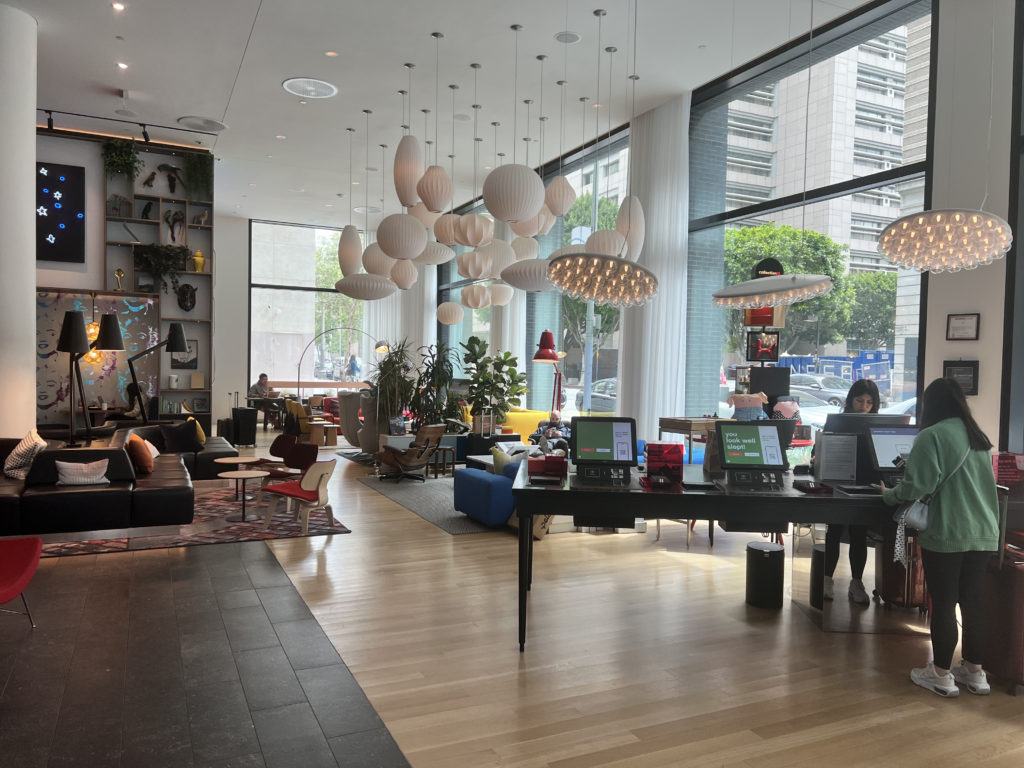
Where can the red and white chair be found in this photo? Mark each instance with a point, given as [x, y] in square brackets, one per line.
[308, 494]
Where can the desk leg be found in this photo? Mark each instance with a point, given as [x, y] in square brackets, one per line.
[711, 532]
[525, 539]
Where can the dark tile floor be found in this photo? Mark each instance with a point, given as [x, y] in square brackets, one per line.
[203, 656]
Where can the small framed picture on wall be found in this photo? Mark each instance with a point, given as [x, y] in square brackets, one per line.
[964, 373]
[962, 327]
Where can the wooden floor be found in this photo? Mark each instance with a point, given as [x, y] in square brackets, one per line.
[639, 653]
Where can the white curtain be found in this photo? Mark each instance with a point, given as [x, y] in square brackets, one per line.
[652, 362]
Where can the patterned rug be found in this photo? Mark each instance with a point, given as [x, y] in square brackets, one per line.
[209, 526]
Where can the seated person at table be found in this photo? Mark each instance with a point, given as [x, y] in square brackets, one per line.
[257, 397]
[553, 434]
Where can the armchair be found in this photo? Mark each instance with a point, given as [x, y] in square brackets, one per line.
[297, 411]
[401, 462]
[348, 415]
[368, 434]
[308, 494]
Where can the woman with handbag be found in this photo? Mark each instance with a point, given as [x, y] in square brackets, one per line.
[950, 463]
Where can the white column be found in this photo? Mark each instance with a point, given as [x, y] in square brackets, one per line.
[18, 32]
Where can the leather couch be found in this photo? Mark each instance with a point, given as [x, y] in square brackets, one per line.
[38, 505]
[200, 464]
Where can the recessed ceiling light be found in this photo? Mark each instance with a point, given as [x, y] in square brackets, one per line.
[567, 37]
[367, 209]
[328, 205]
[487, 167]
[332, 54]
[702, 46]
[270, 157]
[298, 191]
[341, 194]
[117, 6]
[309, 87]
[251, 184]
[355, 183]
[462, 117]
[280, 137]
[200, 123]
[302, 101]
[122, 65]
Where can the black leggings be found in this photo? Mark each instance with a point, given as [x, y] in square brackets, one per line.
[858, 548]
[956, 577]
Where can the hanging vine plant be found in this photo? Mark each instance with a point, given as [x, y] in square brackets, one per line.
[198, 168]
[162, 262]
[121, 156]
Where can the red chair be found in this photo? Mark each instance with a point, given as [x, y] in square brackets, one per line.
[308, 494]
[19, 559]
[278, 449]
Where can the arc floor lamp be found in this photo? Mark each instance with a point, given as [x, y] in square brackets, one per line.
[379, 346]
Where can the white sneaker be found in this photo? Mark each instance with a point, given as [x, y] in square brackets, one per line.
[857, 593]
[830, 588]
[976, 682]
[927, 677]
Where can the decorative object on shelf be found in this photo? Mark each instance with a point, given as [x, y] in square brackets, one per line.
[962, 327]
[494, 382]
[188, 358]
[186, 294]
[964, 373]
[175, 221]
[121, 156]
[198, 261]
[945, 240]
[119, 275]
[200, 218]
[119, 205]
[172, 381]
[197, 381]
[146, 209]
[173, 177]
[198, 169]
[132, 237]
[149, 179]
[162, 262]
[200, 404]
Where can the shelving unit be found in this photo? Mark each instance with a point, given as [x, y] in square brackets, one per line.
[162, 215]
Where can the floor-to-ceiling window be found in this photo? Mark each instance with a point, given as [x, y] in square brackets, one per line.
[294, 307]
[806, 157]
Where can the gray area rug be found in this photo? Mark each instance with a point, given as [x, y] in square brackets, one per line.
[358, 457]
[432, 500]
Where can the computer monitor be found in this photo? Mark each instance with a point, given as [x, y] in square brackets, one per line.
[751, 444]
[888, 444]
[858, 424]
[773, 381]
[603, 441]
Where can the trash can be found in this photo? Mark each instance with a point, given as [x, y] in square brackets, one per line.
[817, 591]
[244, 422]
[765, 570]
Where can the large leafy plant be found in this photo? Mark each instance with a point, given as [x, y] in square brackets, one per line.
[430, 400]
[392, 383]
[121, 156]
[494, 381]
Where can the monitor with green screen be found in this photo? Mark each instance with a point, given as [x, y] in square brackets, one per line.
[750, 445]
[608, 441]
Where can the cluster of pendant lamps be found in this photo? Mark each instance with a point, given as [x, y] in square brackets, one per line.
[604, 269]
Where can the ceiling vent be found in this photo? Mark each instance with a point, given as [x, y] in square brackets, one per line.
[199, 123]
[309, 88]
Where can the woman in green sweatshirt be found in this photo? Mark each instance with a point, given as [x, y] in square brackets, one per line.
[963, 531]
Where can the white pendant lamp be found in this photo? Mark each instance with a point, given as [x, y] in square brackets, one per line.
[603, 279]
[559, 196]
[376, 262]
[945, 240]
[574, 248]
[408, 170]
[527, 228]
[501, 294]
[435, 253]
[350, 251]
[528, 275]
[525, 248]
[513, 193]
[476, 296]
[365, 287]
[474, 265]
[475, 230]
[446, 228]
[450, 313]
[631, 224]
[501, 254]
[427, 218]
[546, 219]
[772, 291]
[404, 274]
[401, 236]
[608, 242]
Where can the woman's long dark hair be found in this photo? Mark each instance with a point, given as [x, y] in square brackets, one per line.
[944, 399]
[863, 387]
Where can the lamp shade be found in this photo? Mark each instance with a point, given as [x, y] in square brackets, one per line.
[404, 274]
[73, 338]
[435, 189]
[546, 219]
[501, 294]
[527, 228]
[630, 224]
[525, 248]
[528, 275]
[607, 241]
[945, 240]
[772, 291]
[110, 337]
[427, 218]
[476, 296]
[560, 196]
[408, 169]
[501, 254]
[475, 230]
[450, 313]
[401, 236]
[513, 193]
[603, 279]
[446, 228]
[574, 248]
[350, 250]
[435, 253]
[365, 287]
[546, 352]
[176, 341]
[376, 262]
[474, 265]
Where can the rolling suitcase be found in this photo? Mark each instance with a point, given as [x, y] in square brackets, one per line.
[1004, 606]
[896, 585]
[244, 425]
[226, 429]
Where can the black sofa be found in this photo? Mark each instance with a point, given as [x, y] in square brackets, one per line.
[200, 465]
[38, 505]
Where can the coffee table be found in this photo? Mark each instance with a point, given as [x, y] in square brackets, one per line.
[239, 462]
[243, 475]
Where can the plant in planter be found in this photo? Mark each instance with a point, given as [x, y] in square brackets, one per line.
[494, 381]
[429, 401]
[121, 156]
[198, 169]
[391, 383]
[162, 262]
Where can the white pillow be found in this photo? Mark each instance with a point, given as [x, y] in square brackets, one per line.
[152, 449]
[81, 473]
[20, 459]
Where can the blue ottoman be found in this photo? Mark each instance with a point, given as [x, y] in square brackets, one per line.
[484, 496]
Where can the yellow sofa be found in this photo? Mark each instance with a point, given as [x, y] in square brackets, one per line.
[523, 422]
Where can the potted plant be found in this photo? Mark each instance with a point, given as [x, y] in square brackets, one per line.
[198, 169]
[162, 262]
[121, 156]
[430, 400]
[391, 383]
[494, 382]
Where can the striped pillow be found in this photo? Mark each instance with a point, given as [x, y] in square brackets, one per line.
[81, 473]
[20, 459]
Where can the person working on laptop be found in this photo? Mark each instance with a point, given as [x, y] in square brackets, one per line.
[863, 397]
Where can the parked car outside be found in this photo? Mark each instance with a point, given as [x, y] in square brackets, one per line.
[831, 389]
[603, 395]
[907, 406]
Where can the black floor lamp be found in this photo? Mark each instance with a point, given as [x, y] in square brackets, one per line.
[109, 339]
[74, 341]
[175, 342]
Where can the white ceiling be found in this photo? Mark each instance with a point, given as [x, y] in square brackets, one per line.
[226, 59]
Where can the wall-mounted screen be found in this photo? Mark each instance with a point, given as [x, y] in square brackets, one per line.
[762, 346]
[60, 213]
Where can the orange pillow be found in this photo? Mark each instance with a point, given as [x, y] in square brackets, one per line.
[139, 454]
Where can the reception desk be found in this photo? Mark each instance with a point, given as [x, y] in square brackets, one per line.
[606, 506]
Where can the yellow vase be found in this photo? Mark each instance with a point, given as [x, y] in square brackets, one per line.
[198, 261]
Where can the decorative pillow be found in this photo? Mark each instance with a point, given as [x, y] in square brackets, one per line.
[200, 435]
[152, 449]
[500, 459]
[82, 473]
[20, 459]
[139, 454]
[180, 438]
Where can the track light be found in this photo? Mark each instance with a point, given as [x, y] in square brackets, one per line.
[49, 121]
[145, 133]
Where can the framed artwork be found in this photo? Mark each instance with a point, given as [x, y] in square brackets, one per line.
[962, 327]
[200, 404]
[144, 283]
[187, 360]
[964, 373]
[762, 346]
[60, 213]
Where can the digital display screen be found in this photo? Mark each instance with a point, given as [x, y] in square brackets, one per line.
[888, 443]
[750, 444]
[603, 441]
[60, 213]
